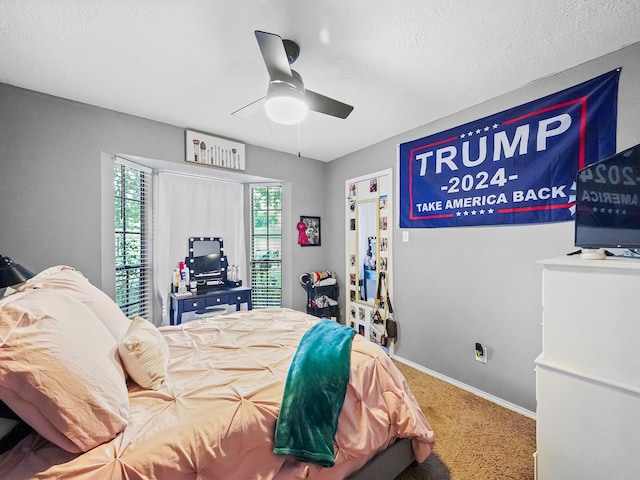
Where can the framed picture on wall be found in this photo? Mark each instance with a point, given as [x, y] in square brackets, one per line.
[309, 231]
[213, 151]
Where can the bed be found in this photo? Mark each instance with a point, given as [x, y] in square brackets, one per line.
[201, 399]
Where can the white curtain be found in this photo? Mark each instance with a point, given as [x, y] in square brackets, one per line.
[188, 206]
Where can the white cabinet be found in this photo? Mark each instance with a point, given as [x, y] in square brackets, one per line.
[588, 374]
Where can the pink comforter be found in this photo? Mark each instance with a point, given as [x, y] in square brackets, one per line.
[214, 417]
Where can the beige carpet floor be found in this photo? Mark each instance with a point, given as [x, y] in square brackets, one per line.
[475, 438]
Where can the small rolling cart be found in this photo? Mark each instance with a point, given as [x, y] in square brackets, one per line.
[322, 299]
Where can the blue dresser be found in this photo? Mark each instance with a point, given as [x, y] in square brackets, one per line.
[203, 302]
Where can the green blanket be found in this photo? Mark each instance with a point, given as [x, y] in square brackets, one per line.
[314, 394]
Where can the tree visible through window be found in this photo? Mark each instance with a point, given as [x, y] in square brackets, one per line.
[132, 194]
[266, 246]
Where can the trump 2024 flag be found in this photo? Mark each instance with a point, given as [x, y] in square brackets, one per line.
[515, 167]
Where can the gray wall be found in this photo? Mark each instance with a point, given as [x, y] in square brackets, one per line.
[457, 286]
[50, 181]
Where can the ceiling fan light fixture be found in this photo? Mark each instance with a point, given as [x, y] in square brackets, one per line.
[278, 55]
[286, 110]
[285, 103]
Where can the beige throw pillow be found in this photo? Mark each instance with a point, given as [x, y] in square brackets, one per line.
[144, 353]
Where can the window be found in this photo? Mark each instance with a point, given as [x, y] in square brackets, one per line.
[266, 245]
[132, 195]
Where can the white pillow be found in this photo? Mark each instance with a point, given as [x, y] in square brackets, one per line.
[59, 369]
[144, 353]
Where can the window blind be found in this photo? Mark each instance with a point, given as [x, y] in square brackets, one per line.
[266, 245]
[132, 221]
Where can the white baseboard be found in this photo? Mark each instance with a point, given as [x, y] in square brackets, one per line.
[464, 386]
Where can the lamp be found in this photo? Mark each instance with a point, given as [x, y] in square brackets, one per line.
[285, 103]
[12, 273]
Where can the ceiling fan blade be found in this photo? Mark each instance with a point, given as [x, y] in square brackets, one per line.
[250, 109]
[274, 55]
[320, 103]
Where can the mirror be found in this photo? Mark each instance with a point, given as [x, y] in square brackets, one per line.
[205, 246]
[367, 250]
[206, 258]
[368, 239]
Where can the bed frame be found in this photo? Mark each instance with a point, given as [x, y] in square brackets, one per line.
[389, 463]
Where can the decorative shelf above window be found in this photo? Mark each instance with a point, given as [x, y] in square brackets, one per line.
[206, 149]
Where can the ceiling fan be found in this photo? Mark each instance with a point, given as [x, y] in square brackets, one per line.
[287, 101]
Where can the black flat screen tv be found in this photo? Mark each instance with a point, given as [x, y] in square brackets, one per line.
[207, 265]
[607, 208]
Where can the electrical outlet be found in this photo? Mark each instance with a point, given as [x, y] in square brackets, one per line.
[481, 353]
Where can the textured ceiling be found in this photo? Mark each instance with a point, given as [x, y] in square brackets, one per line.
[401, 64]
